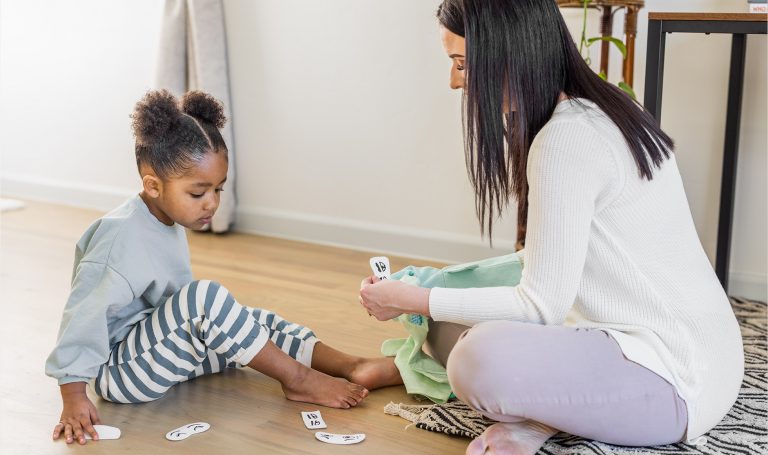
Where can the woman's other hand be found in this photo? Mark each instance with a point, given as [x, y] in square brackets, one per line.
[388, 299]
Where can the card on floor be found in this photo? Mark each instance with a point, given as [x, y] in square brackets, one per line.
[105, 432]
[380, 267]
[313, 420]
[186, 431]
[341, 439]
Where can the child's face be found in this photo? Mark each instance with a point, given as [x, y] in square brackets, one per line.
[192, 199]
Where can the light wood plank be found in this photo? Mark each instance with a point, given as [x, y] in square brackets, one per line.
[310, 284]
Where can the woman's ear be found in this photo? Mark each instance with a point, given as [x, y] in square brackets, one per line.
[152, 185]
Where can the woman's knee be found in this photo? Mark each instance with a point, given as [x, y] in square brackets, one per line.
[471, 361]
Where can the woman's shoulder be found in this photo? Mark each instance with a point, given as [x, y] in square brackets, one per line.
[579, 128]
[572, 129]
[578, 140]
[583, 115]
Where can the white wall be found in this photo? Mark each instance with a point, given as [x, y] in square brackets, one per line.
[70, 73]
[345, 129]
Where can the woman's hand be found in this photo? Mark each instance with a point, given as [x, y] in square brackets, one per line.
[79, 414]
[388, 299]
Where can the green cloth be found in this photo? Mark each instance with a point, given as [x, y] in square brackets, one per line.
[421, 374]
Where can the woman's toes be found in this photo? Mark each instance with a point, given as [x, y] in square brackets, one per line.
[476, 447]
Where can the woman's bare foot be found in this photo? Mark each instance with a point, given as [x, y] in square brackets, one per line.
[519, 438]
[312, 386]
[374, 373]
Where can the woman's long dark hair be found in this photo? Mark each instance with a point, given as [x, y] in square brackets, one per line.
[520, 53]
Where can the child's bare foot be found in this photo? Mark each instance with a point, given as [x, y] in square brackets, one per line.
[375, 373]
[312, 386]
[519, 438]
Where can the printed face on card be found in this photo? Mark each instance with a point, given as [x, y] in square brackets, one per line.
[313, 420]
[186, 431]
[340, 439]
[380, 267]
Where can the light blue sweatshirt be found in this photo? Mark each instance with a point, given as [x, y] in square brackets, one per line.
[126, 264]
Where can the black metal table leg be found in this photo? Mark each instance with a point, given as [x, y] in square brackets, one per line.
[654, 68]
[730, 154]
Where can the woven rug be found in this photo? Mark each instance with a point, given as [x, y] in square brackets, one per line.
[743, 431]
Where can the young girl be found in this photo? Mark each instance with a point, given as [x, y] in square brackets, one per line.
[137, 324]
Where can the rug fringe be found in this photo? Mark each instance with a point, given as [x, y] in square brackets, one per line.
[409, 412]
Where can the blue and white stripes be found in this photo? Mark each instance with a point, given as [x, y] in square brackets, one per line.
[199, 330]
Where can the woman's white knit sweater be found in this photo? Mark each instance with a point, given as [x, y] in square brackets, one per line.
[610, 250]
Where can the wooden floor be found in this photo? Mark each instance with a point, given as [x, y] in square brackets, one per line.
[310, 284]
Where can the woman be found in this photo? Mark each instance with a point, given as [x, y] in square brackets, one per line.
[619, 330]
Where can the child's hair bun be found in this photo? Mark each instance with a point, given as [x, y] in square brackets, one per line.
[204, 107]
[156, 114]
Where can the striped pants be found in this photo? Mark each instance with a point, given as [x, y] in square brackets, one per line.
[199, 330]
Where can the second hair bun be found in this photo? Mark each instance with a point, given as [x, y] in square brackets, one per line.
[204, 107]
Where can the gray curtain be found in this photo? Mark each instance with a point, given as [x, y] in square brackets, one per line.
[193, 56]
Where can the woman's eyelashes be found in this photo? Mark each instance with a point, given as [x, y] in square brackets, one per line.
[460, 65]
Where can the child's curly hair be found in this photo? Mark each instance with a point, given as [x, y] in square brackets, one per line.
[172, 136]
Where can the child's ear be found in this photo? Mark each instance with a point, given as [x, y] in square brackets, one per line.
[152, 185]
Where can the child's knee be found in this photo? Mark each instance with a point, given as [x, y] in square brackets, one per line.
[199, 296]
[205, 288]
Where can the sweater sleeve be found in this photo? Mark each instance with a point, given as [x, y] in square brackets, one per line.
[83, 342]
[570, 168]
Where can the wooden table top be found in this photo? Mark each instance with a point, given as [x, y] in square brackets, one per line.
[595, 3]
[733, 17]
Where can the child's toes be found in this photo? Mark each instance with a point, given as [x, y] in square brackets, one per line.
[359, 390]
[359, 394]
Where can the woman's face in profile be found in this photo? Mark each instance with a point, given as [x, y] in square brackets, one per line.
[454, 46]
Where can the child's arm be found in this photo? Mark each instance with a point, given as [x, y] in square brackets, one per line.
[78, 416]
[83, 344]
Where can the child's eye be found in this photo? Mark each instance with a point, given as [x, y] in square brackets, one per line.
[196, 195]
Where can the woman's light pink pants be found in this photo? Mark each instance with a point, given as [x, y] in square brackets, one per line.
[575, 380]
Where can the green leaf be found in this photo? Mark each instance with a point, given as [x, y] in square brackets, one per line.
[603, 76]
[617, 42]
[623, 85]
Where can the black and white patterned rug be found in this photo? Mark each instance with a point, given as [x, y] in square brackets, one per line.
[744, 431]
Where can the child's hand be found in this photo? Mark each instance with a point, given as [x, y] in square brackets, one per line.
[388, 299]
[79, 414]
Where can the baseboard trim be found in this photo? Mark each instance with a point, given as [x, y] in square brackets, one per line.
[358, 235]
[748, 285]
[97, 197]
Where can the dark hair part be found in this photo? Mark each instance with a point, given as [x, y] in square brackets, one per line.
[172, 136]
[520, 53]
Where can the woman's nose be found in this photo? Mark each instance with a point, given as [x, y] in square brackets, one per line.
[457, 79]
